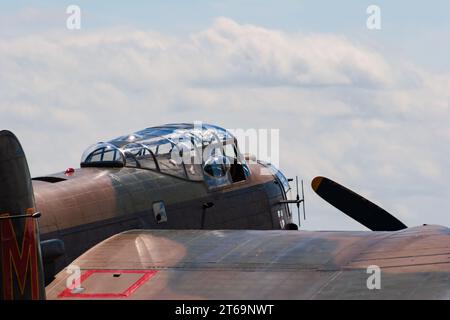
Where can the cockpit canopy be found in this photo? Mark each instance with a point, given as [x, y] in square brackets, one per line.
[191, 151]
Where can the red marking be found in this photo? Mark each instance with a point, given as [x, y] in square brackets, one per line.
[69, 171]
[19, 263]
[146, 275]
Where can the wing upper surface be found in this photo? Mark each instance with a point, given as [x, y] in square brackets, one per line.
[236, 264]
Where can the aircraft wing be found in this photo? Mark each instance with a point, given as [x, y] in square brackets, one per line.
[199, 264]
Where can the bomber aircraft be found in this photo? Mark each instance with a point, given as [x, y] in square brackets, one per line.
[185, 261]
[175, 176]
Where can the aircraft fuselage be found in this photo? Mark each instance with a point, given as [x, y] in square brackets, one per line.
[89, 205]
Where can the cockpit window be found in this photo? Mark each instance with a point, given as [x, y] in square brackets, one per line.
[139, 156]
[217, 166]
[103, 154]
[154, 154]
[189, 151]
[167, 161]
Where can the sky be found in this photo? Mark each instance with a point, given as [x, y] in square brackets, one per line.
[367, 108]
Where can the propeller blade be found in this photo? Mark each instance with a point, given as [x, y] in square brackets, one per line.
[355, 206]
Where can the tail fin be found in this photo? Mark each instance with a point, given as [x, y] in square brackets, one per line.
[21, 274]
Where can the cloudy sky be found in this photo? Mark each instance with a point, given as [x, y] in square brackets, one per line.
[368, 108]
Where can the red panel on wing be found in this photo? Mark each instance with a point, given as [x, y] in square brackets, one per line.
[107, 284]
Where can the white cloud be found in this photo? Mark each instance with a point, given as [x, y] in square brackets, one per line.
[344, 110]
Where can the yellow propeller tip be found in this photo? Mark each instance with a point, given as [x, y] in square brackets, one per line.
[315, 183]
